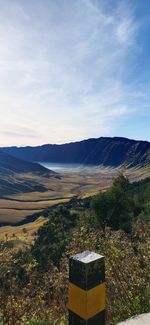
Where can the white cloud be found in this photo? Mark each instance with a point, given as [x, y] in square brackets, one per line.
[63, 67]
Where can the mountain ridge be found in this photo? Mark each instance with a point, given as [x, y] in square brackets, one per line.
[106, 151]
[72, 142]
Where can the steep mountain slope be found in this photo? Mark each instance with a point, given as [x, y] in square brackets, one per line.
[102, 151]
[15, 175]
[10, 165]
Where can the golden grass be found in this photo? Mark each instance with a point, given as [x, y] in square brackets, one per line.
[25, 233]
[14, 216]
[27, 205]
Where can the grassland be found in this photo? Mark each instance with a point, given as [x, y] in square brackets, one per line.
[21, 236]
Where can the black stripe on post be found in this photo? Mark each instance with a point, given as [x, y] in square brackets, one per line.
[96, 320]
[86, 270]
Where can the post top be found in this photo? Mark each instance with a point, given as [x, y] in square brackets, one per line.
[86, 257]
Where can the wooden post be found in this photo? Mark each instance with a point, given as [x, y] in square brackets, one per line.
[86, 301]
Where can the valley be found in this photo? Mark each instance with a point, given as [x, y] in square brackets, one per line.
[59, 188]
[33, 179]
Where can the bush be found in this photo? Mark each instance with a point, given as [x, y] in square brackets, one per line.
[115, 207]
[53, 237]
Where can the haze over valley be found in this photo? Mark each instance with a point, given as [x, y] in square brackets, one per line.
[80, 169]
[74, 100]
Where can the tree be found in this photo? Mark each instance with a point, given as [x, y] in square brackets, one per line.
[115, 207]
[53, 237]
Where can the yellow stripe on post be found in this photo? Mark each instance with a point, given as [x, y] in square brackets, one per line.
[77, 300]
[86, 304]
[95, 300]
[86, 301]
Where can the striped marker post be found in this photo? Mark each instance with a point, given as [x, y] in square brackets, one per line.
[86, 301]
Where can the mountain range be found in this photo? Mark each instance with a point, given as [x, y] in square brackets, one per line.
[104, 151]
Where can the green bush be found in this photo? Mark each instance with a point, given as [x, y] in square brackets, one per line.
[53, 237]
[115, 207]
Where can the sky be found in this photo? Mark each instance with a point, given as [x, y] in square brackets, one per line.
[74, 69]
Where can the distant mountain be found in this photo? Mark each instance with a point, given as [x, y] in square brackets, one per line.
[14, 175]
[102, 151]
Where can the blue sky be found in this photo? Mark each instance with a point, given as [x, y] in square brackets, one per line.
[74, 69]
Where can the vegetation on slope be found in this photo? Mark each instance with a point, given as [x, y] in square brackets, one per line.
[34, 282]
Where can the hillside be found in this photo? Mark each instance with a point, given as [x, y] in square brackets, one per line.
[102, 151]
[34, 280]
[14, 175]
[10, 165]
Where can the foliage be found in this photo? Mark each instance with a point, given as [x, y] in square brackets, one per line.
[114, 208]
[53, 237]
[34, 281]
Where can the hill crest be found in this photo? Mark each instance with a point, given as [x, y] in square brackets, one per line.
[104, 151]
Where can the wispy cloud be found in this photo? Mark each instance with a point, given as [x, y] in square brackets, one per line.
[16, 131]
[65, 68]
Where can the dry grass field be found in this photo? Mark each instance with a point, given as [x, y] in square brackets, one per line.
[81, 182]
[21, 235]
